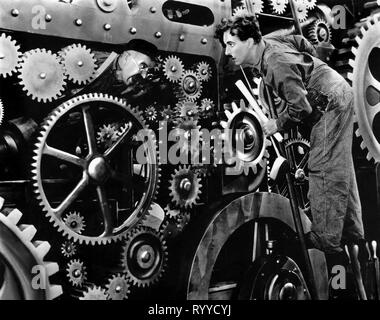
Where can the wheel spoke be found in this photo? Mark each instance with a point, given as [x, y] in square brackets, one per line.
[74, 194]
[107, 215]
[90, 132]
[62, 155]
[303, 162]
[126, 135]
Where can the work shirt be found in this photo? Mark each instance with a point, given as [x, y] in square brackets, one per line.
[287, 65]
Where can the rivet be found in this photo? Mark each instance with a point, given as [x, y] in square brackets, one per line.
[181, 37]
[43, 75]
[80, 63]
[48, 18]
[107, 26]
[15, 12]
[78, 22]
[153, 10]
[204, 41]
[133, 30]
[158, 34]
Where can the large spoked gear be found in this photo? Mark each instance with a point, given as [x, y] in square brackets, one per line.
[204, 71]
[69, 249]
[23, 272]
[173, 68]
[42, 76]
[9, 55]
[75, 222]
[320, 32]
[301, 8]
[245, 141]
[100, 171]
[365, 79]
[118, 287]
[94, 293]
[79, 63]
[144, 256]
[279, 6]
[76, 273]
[185, 187]
[187, 108]
[190, 86]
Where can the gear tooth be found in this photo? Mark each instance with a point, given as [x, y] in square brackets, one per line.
[369, 157]
[54, 292]
[14, 216]
[351, 63]
[350, 76]
[27, 232]
[362, 145]
[42, 248]
[228, 114]
[357, 133]
[223, 124]
[51, 268]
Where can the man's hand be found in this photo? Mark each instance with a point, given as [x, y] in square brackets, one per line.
[270, 127]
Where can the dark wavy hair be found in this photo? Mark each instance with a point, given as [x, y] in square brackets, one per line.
[243, 25]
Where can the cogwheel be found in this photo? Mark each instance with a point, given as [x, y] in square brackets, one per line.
[190, 86]
[257, 6]
[42, 76]
[150, 114]
[240, 11]
[96, 168]
[207, 108]
[189, 134]
[69, 249]
[320, 32]
[301, 8]
[204, 71]
[75, 222]
[185, 187]
[79, 63]
[107, 135]
[118, 287]
[173, 68]
[310, 4]
[76, 273]
[365, 80]
[22, 261]
[169, 114]
[278, 6]
[9, 55]
[172, 212]
[187, 108]
[244, 138]
[94, 293]
[170, 228]
[144, 256]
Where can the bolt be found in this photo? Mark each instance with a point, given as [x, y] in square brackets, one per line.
[118, 289]
[77, 273]
[15, 12]
[181, 37]
[107, 27]
[153, 9]
[78, 22]
[108, 2]
[158, 34]
[43, 75]
[48, 18]
[145, 256]
[185, 184]
[204, 41]
[80, 63]
[133, 30]
[204, 72]
[173, 69]
[73, 224]
[192, 84]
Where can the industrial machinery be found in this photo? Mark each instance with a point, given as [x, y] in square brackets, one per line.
[92, 171]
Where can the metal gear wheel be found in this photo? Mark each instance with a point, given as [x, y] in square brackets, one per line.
[9, 55]
[190, 86]
[169, 114]
[23, 272]
[279, 6]
[239, 11]
[257, 7]
[365, 79]
[187, 108]
[79, 63]
[204, 71]
[172, 212]
[320, 32]
[189, 132]
[301, 8]
[243, 128]
[144, 256]
[151, 114]
[170, 228]
[42, 76]
[76, 273]
[207, 107]
[75, 222]
[96, 168]
[94, 293]
[173, 68]
[107, 135]
[310, 4]
[185, 187]
[69, 249]
[118, 287]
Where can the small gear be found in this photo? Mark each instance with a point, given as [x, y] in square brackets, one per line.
[94, 293]
[190, 86]
[118, 287]
[240, 11]
[150, 114]
[207, 108]
[245, 141]
[76, 273]
[69, 249]
[171, 228]
[173, 68]
[42, 76]
[189, 134]
[79, 63]
[366, 85]
[320, 32]
[75, 222]
[187, 108]
[144, 256]
[185, 187]
[301, 8]
[9, 55]
[310, 4]
[172, 212]
[279, 6]
[204, 71]
[169, 114]
[107, 135]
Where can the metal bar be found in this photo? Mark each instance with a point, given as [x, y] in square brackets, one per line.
[295, 17]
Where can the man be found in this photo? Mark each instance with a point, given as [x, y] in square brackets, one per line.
[318, 96]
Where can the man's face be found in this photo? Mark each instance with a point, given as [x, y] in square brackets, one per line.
[131, 63]
[236, 48]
